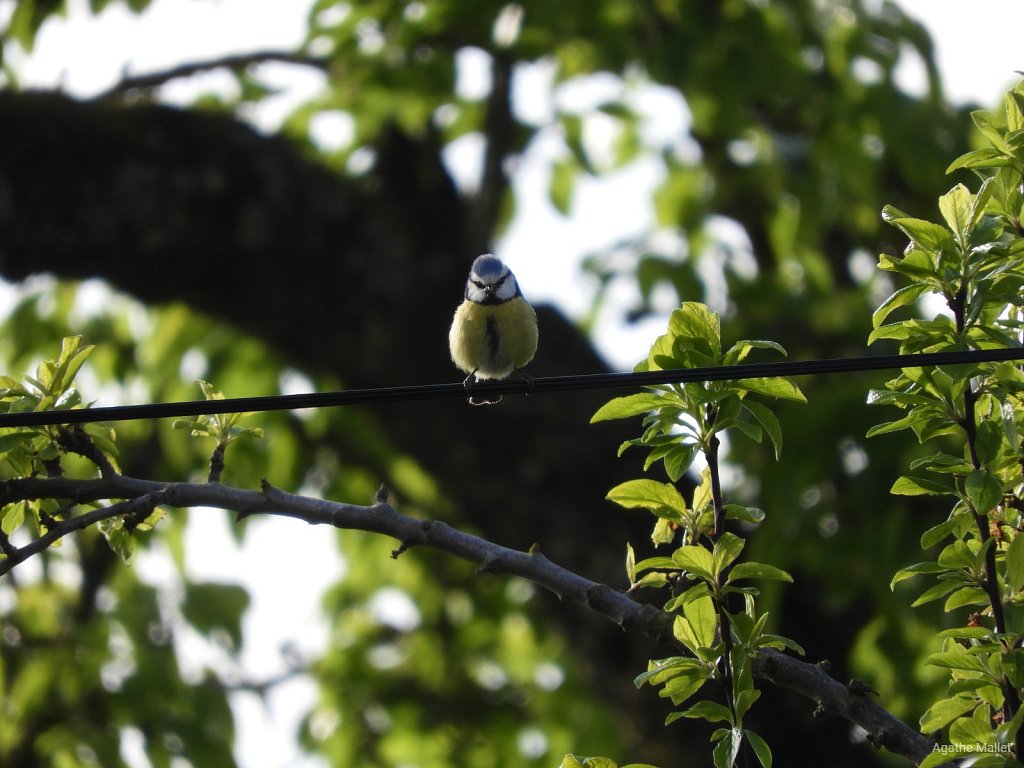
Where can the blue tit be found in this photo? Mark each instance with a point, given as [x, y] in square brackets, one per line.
[495, 329]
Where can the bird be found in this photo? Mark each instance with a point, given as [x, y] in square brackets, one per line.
[494, 331]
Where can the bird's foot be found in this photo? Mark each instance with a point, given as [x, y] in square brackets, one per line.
[527, 379]
[473, 399]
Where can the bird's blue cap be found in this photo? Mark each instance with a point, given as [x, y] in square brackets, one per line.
[488, 267]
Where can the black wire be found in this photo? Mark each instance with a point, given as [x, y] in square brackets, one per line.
[490, 389]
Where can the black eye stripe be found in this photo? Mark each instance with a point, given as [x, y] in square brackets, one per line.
[481, 284]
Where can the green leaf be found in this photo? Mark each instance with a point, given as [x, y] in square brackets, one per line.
[984, 490]
[779, 642]
[698, 590]
[979, 201]
[728, 747]
[703, 620]
[70, 362]
[958, 660]
[1012, 664]
[739, 351]
[758, 571]
[726, 550]
[919, 486]
[745, 514]
[955, 207]
[663, 533]
[936, 591]
[745, 699]
[655, 562]
[774, 386]
[968, 633]
[769, 421]
[696, 561]
[945, 711]
[988, 440]
[13, 517]
[682, 687]
[760, 747]
[1015, 562]
[987, 157]
[630, 405]
[663, 499]
[959, 555]
[118, 539]
[680, 459]
[935, 534]
[965, 596]
[694, 321]
[653, 579]
[711, 711]
[926, 234]
[660, 671]
[971, 731]
[913, 570]
[904, 296]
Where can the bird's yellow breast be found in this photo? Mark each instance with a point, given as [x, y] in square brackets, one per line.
[493, 339]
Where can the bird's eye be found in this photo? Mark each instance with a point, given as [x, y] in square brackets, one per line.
[477, 283]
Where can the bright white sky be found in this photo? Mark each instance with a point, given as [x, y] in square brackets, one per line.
[977, 46]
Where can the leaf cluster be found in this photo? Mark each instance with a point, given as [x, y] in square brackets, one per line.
[974, 261]
[223, 427]
[27, 451]
[682, 420]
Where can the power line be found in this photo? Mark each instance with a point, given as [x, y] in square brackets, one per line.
[626, 380]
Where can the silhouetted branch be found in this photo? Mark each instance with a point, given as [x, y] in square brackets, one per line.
[235, 62]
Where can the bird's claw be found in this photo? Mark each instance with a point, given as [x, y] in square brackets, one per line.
[472, 399]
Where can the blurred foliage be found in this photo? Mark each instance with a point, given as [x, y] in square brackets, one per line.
[794, 132]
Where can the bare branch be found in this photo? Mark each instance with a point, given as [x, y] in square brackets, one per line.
[845, 701]
[831, 696]
[234, 62]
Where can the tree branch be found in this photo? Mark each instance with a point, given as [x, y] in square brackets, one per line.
[235, 62]
[499, 128]
[831, 696]
[845, 701]
[58, 529]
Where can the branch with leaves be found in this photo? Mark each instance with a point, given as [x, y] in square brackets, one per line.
[705, 579]
[974, 260]
[140, 496]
